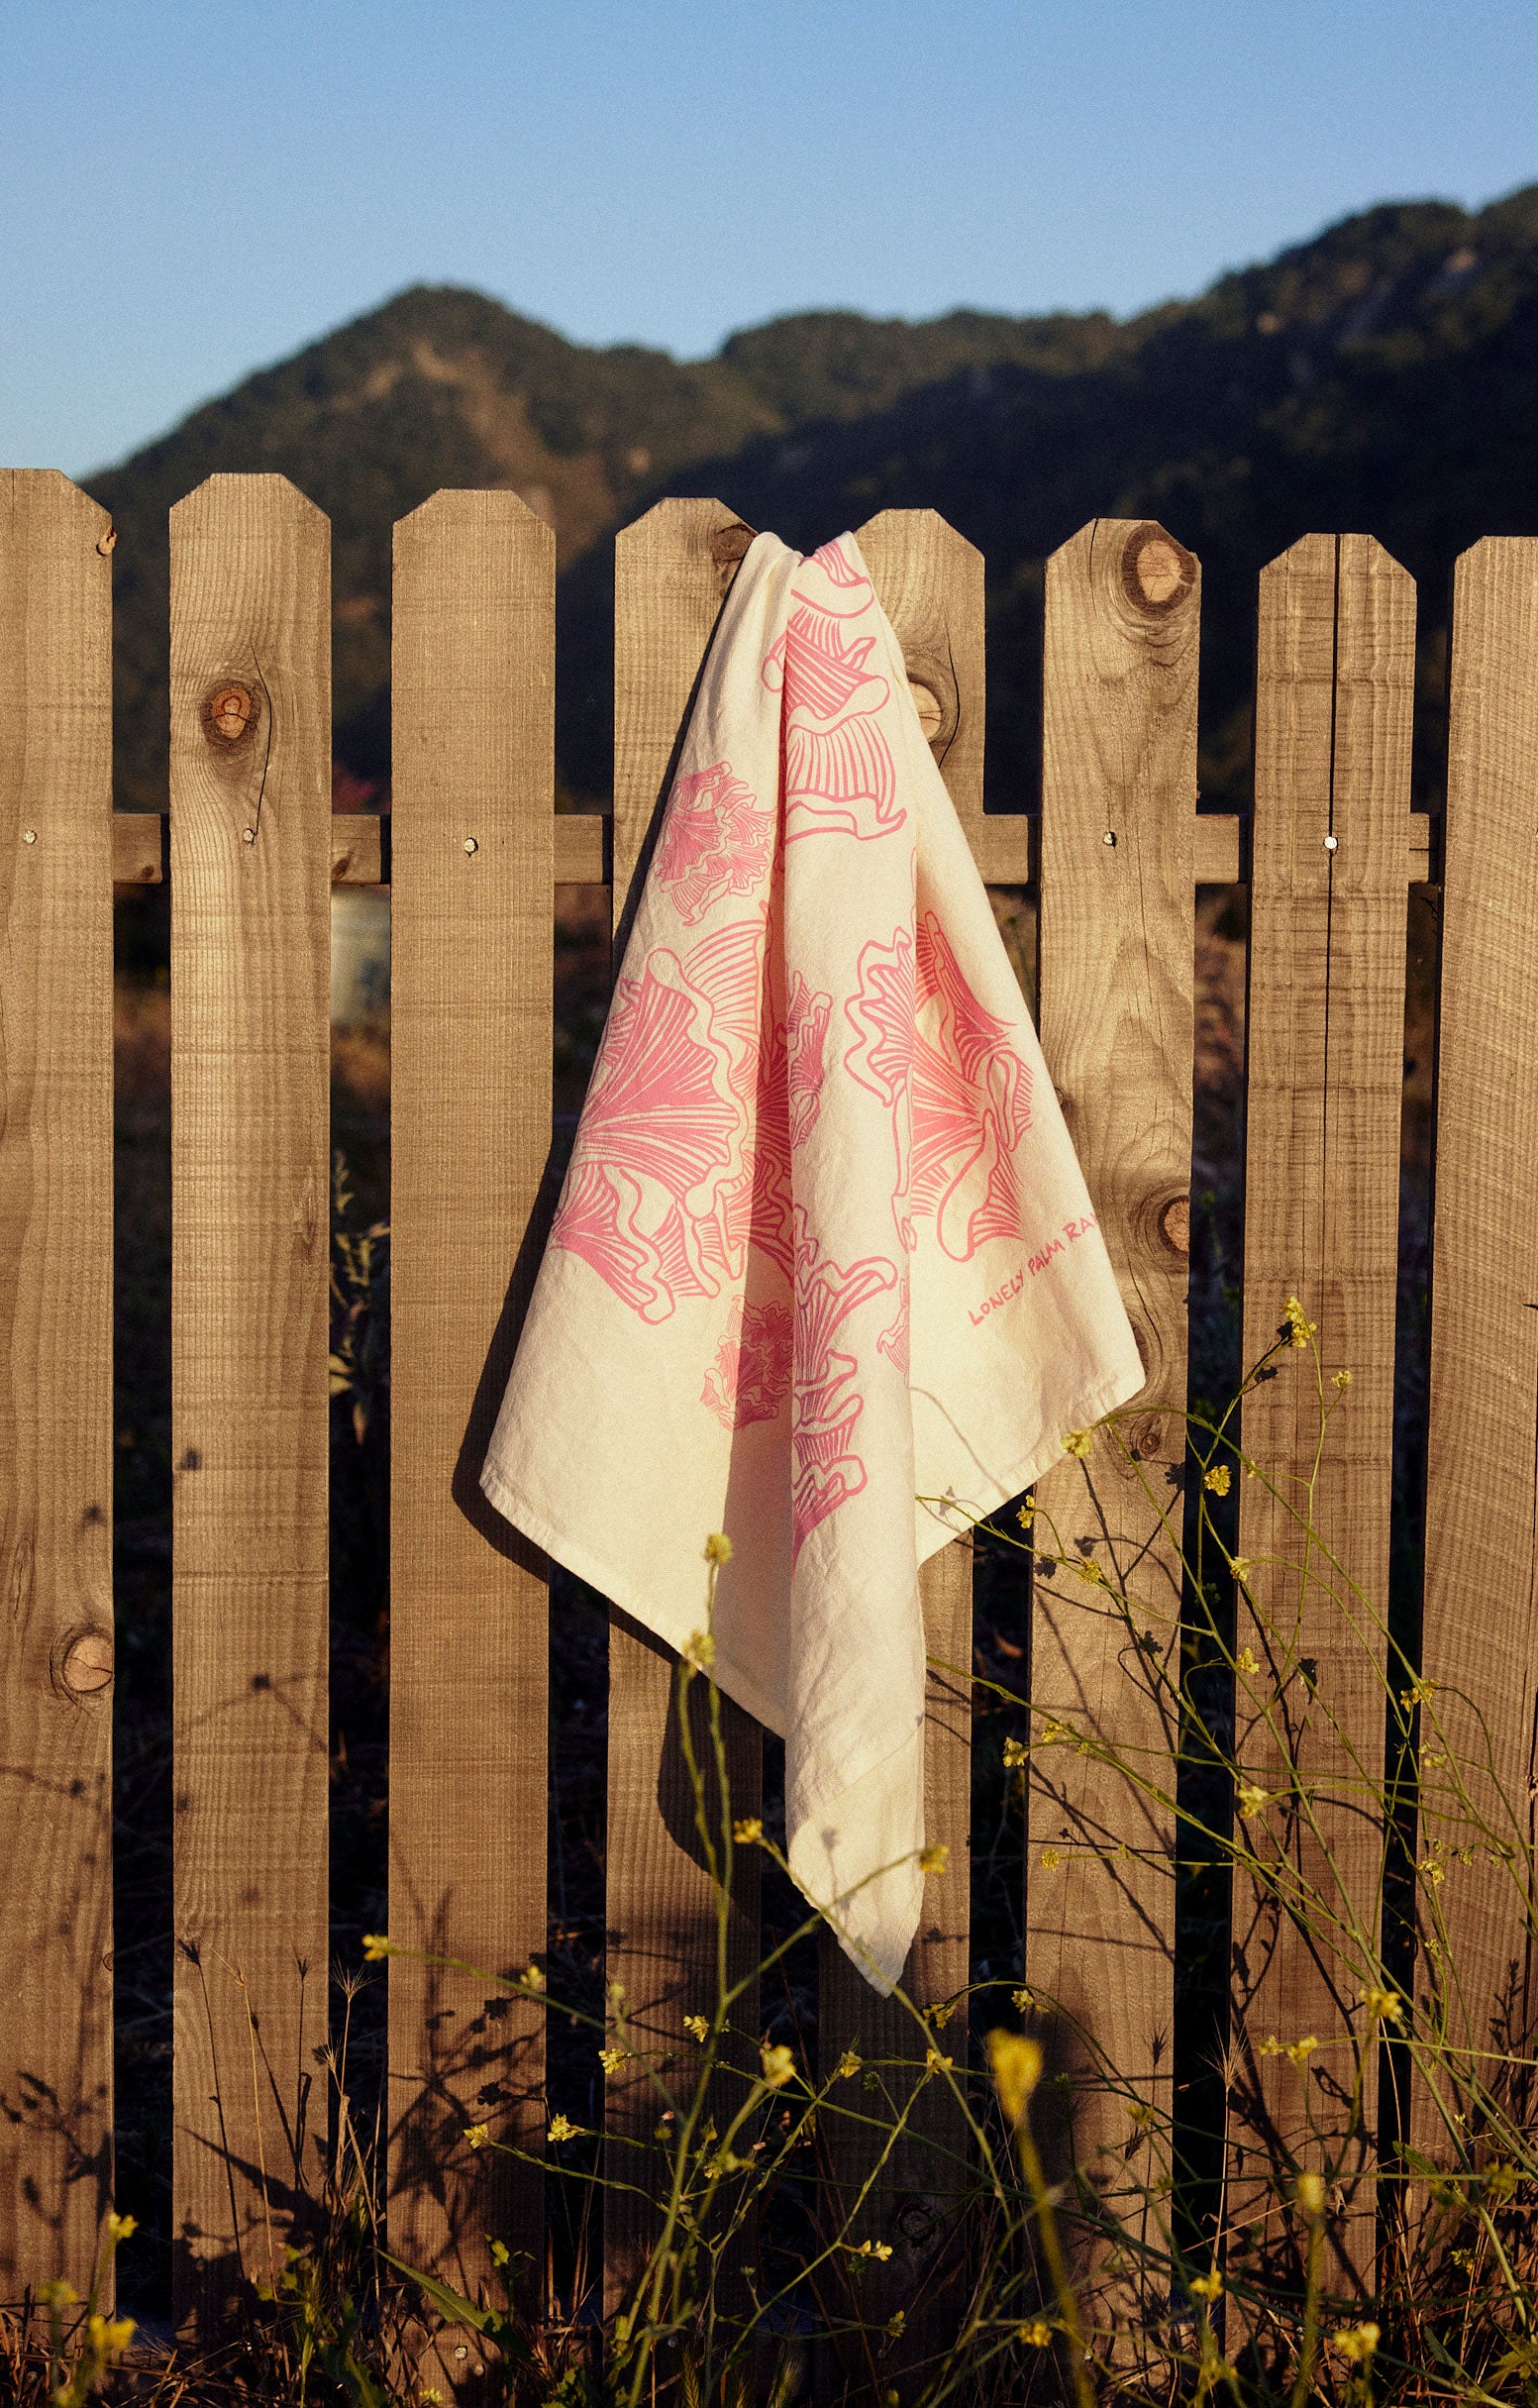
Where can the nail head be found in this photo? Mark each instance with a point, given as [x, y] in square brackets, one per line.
[471, 844]
[1109, 838]
[249, 836]
[1332, 844]
[28, 836]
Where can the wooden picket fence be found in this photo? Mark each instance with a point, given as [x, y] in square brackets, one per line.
[472, 851]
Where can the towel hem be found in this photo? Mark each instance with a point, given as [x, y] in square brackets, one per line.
[586, 1565]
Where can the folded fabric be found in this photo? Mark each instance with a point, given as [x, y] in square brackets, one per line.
[824, 1275]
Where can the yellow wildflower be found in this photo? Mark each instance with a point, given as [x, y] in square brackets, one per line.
[1247, 1662]
[1051, 1858]
[1299, 1328]
[848, 2065]
[869, 2248]
[562, 2128]
[1216, 1477]
[1417, 1693]
[936, 2063]
[1250, 1799]
[1053, 1731]
[700, 1651]
[1434, 1869]
[940, 2015]
[895, 2323]
[1207, 2286]
[1309, 2194]
[1302, 2050]
[1356, 2343]
[1027, 1513]
[1079, 1442]
[1036, 2335]
[375, 1945]
[718, 1547]
[779, 2066]
[1384, 2006]
[55, 2293]
[1241, 1567]
[697, 2025]
[1020, 2000]
[747, 1831]
[476, 2134]
[107, 2340]
[1015, 2062]
[1015, 1754]
[1341, 1380]
[120, 2227]
[611, 2059]
[934, 1859]
[1089, 1572]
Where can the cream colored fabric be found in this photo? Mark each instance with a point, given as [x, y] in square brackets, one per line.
[824, 1273]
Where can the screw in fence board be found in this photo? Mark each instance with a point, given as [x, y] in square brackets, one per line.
[473, 774]
[1479, 1630]
[930, 581]
[55, 1399]
[1334, 698]
[672, 569]
[1118, 965]
[251, 879]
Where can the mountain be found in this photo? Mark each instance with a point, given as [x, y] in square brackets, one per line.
[1382, 376]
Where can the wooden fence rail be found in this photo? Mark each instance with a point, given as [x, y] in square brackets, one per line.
[472, 851]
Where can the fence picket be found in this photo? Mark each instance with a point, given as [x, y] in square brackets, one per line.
[55, 1397]
[1117, 967]
[1332, 762]
[472, 860]
[251, 865]
[670, 572]
[1480, 1642]
[929, 583]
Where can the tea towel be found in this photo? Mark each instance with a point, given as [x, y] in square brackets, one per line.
[824, 1275]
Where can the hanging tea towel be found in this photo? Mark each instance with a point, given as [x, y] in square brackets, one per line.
[824, 1275]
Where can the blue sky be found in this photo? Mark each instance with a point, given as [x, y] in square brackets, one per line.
[188, 191]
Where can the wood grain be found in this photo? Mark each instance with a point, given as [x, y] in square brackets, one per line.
[250, 834]
[929, 583]
[56, 1380]
[473, 668]
[1117, 952]
[1476, 1975]
[672, 569]
[1334, 699]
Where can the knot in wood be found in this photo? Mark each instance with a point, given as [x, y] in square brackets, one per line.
[727, 547]
[229, 714]
[1174, 1224]
[931, 711]
[85, 1666]
[1156, 573]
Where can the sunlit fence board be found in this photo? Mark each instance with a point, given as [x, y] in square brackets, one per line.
[251, 868]
[56, 1380]
[470, 1099]
[1118, 965]
[1475, 1977]
[1327, 954]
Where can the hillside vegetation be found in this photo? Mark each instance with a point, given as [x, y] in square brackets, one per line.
[1382, 376]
